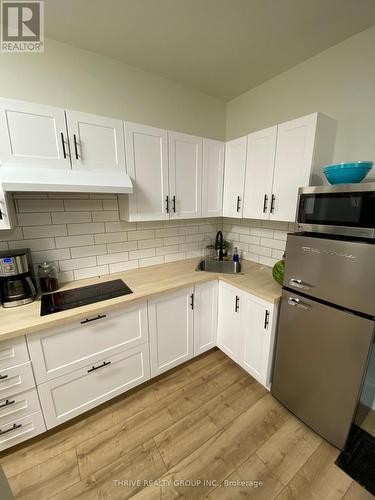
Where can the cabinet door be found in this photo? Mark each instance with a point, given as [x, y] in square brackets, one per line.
[229, 320]
[171, 330]
[212, 178]
[7, 210]
[234, 179]
[261, 147]
[257, 336]
[96, 142]
[205, 316]
[185, 175]
[33, 135]
[293, 163]
[147, 165]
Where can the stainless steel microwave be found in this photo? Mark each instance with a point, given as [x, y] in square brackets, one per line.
[343, 209]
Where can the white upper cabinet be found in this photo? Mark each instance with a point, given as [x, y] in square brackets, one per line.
[147, 165]
[33, 135]
[212, 178]
[185, 175]
[229, 320]
[171, 330]
[7, 210]
[261, 148]
[257, 338]
[235, 164]
[96, 142]
[303, 146]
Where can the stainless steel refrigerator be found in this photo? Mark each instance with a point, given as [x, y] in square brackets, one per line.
[325, 331]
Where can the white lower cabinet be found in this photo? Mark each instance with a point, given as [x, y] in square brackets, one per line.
[20, 405]
[171, 330]
[205, 316]
[60, 350]
[19, 430]
[229, 320]
[257, 338]
[74, 393]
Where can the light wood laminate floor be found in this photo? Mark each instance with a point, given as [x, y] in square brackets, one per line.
[206, 420]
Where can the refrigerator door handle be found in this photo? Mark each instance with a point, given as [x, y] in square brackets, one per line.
[298, 283]
[292, 301]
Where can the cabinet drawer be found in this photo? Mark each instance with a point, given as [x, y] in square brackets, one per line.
[15, 407]
[13, 352]
[16, 379]
[21, 429]
[64, 349]
[76, 392]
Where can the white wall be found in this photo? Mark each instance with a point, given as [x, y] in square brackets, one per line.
[69, 77]
[339, 82]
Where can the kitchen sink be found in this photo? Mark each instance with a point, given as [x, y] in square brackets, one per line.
[219, 266]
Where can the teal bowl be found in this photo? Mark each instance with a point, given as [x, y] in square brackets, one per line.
[347, 173]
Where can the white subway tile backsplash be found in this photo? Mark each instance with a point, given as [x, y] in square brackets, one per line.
[34, 219]
[152, 261]
[69, 265]
[40, 205]
[44, 231]
[70, 217]
[122, 247]
[34, 245]
[106, 216]
[82, 205]
[88, 228]
[111, 258]
[264, 233]
[90, 272]
[268, 242]
[247, 238]
[267, 261]
[74, 241]
[87, 251]
[83, 235]
[123, 266]
[141, 254]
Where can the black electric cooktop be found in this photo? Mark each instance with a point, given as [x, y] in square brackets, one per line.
[61, 301]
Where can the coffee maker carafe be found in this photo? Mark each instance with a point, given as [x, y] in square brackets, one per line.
[16, 284]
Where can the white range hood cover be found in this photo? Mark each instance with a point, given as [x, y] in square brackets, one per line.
[59, 180]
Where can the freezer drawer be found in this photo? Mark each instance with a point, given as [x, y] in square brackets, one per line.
[321, 356]
[338, 271]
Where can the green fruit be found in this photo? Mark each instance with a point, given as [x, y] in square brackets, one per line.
[278, 271]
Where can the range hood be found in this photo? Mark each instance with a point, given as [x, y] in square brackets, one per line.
[59, 180]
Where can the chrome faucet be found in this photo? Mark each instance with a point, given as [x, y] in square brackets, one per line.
[219, 244]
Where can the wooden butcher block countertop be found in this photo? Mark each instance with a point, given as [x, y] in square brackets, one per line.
[145, 283]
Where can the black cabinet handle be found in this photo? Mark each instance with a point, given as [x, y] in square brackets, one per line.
[192, 301]
[266, 319]
[238, 204]
[7, 403]
[105, 363]
[265, 203]
[88, 320]
[167, 202]
[273, 198]
[75, 146]
[3, 377]
[1, 214]
[174, 203]
[63, 144]
[14, 427]
[237, 304]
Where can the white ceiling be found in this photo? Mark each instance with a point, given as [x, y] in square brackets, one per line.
[220, 47]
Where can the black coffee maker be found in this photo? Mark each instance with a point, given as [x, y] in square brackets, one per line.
[17, 282]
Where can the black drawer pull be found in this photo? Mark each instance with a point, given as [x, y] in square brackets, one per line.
[266, 319]
[237, 304]
[7, 403]
[87, 320]
[105, 363]
[3, 377]
[13, 428]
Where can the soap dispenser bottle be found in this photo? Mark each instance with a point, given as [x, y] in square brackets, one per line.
[236, 255]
